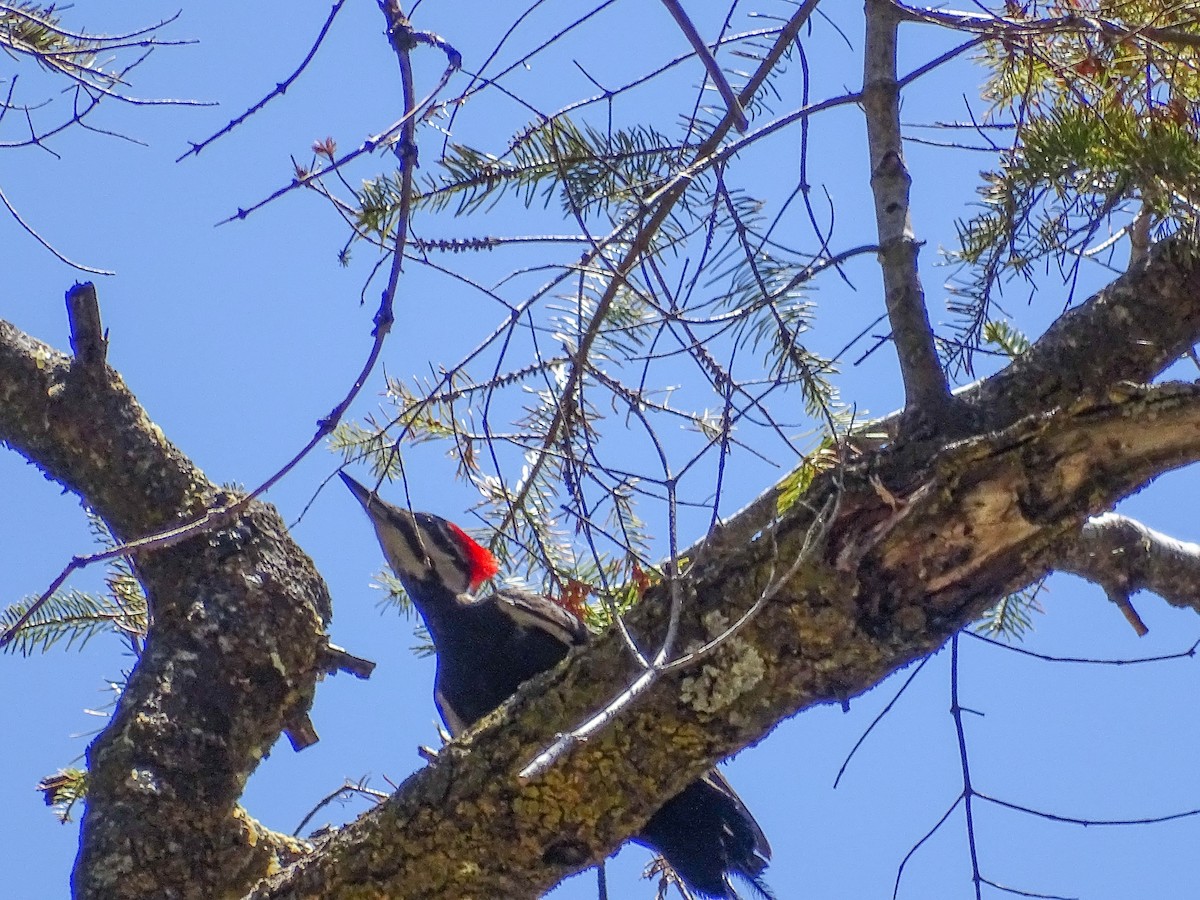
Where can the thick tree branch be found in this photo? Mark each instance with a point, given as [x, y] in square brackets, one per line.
[904, 567]
[1128, 332]
[236, 648]
[983, 518]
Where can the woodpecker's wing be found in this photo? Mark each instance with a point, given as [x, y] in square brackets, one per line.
[707, 835]
[716, 780]
[535, 613]
[488, 648]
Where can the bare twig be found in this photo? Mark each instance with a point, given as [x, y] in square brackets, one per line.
[917, 846]
[1019, 893]
[279, 90]
[399, 132]
[41, 240]
[1075, 820]
[661, 202]
[1189, 653]
[968, 792]
[347, 789]
[879, 718]
[384, 317]
[647, 678]
[733, 104]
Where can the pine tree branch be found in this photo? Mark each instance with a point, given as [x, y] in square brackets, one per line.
[999, 506]
[662, 202]
[1127, 332]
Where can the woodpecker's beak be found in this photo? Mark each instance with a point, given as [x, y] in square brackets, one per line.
[381, 513]
[417, 546]
[361, 493]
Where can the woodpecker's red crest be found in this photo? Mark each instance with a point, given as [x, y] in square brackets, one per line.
[482, 564]
[488, 647]
[423, 548]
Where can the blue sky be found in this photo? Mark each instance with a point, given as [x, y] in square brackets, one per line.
[238, 338]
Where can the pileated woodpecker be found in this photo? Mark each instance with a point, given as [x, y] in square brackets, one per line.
[487, 647]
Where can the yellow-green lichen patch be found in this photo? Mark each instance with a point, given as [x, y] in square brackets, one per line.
[735, 669]
[823, 631]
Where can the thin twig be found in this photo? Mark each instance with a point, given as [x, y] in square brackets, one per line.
[383, 321]
[1019, 893]
[917, 846]
[661, 202]
[968, 792]
[733, 104]
[402, 127]
[1088, 823]
[359, 787]
[647, 678]
[41, 240]
[879, 718]
[1189, 653]
[279, 90]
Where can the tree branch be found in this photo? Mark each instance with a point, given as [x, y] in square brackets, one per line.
[985, 516]
[981, 519]
[1124, 556]
[733, 103]
[926, 392]
[237, 645]
[89, 343]
[1127, 332]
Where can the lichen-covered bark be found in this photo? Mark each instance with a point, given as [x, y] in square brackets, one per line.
[924, 538]
[898, 575]
[233, 653]
[1124, 556]
[1130, 331]
[1127, 332]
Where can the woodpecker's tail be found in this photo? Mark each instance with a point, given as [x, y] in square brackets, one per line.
[707, 835]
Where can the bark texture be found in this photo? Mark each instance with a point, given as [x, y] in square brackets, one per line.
[925, 537]
[899, 575]
[233, 653]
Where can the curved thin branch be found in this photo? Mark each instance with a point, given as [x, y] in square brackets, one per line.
[41, 240]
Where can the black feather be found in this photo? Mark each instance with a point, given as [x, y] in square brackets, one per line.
[487, 648]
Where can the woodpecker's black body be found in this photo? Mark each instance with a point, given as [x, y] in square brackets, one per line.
[487, 648]
[484, 655]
